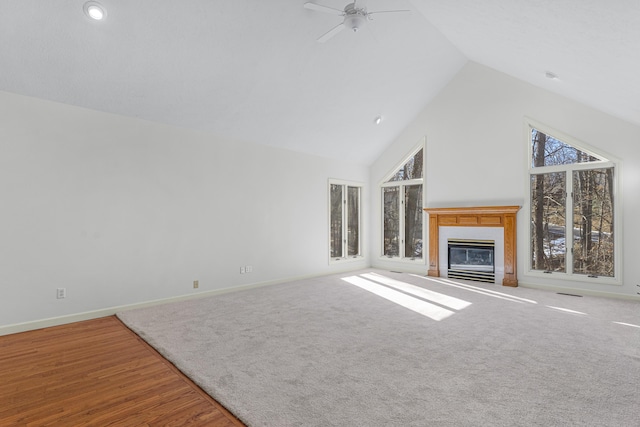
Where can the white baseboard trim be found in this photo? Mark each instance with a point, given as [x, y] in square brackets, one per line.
[110, 311]
[579, 291]
[414, 267]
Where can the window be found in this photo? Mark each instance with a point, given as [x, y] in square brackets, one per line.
[572, 199]
[344, 220]
[402, 210]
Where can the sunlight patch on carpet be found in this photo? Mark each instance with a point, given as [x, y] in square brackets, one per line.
[628, 324]
[566, 310]
[417, 305]
[475, 289]
[436, 297]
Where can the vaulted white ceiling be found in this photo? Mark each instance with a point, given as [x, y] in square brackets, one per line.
[593, 46]
[252, 70]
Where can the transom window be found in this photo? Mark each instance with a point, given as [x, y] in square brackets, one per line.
[572, 199]
[344, 220]
[402, 210]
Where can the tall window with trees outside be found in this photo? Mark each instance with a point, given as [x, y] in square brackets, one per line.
[572, 209]
[402, 210]
[344, 218]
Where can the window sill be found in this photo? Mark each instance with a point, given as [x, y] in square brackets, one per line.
[571, 278]
[420, 261]
[346, 260]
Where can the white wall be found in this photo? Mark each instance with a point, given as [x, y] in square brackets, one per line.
[120, 211]
[477, 155]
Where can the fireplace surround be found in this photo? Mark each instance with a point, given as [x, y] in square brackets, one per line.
[482, 216]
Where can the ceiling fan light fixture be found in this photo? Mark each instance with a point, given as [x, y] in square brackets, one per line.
[355, 16]
[354, 21]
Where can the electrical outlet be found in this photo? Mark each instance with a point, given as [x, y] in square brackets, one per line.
[249, 269]
[243, 270]
[196, 284]
[61, 293]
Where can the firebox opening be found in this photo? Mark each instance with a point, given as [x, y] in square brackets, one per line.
[472, 260]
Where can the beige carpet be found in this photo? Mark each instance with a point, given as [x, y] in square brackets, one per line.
[375, 348]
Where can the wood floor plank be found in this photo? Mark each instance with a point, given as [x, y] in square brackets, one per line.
[97, 373]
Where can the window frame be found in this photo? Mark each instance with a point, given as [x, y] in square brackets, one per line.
[345, 215]
[611, 162]
[384, 183]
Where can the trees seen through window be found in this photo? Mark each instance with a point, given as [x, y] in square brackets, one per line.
[572, 209]
[402, 210]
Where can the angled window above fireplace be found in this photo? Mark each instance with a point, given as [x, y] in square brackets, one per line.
[402, 215]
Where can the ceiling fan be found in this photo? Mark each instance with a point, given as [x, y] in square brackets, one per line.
[355, 17]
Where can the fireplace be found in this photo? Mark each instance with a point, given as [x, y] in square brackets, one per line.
[496, 223]
[470, 259]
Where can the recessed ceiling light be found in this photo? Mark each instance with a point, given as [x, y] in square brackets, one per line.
[550, 75]
[95, 10]
[377, 120]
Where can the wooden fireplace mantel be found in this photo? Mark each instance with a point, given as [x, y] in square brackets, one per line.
[482, 216]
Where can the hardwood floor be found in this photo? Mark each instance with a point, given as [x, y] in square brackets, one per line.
[97, 373]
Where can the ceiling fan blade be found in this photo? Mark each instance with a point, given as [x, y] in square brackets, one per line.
[388, 11]
[326, 9]
[332, 32]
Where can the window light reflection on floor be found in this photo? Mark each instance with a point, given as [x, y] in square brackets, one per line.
[566, 310]
[426, 294]
[475, 289]
[417, 305]
[628, 324]
[382, 286]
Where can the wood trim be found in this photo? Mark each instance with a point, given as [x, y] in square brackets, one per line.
[480, 216]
